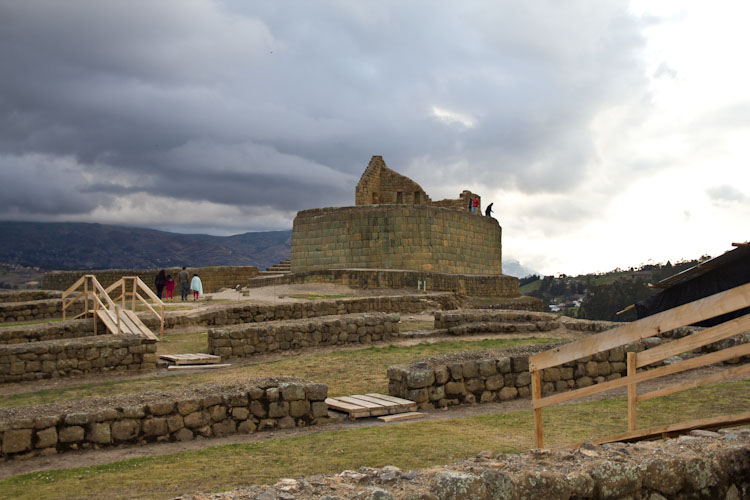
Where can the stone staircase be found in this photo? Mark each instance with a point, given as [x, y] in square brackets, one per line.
[283, 267]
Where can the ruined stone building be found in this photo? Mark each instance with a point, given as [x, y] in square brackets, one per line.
[379, 185]
[396, 234]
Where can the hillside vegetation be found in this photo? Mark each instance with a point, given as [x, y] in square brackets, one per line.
[60, 246]
[600, 296]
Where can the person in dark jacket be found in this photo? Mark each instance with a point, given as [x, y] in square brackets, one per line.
[488, 212]
[161, 280]
[184, 280]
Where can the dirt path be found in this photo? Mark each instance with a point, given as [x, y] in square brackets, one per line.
[99, 457]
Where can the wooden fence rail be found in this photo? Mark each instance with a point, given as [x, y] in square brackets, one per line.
[708, 307]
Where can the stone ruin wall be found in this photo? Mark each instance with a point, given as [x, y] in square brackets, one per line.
[214, 278]
[76, 356]
[251, 339]
[180, 415]
[418, 238]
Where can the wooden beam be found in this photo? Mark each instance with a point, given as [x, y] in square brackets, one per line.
[536, 394]
[694, 341]
[657, 432]
[632, 392]
[706, 359]
[727, 374]
[198, 367]
[631, 306]
[686, 314]
[401, 416]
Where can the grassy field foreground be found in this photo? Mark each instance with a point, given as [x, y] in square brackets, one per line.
[408, 446]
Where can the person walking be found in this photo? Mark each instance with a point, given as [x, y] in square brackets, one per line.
[184, 279]
[159, 282]
[169, 287]
[197, 287]
[488, 212]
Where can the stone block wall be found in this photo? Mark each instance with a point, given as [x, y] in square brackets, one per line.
[235, 314]
[78, 356]
[490, 376]
[213, 278]
[180, 415]
[28, 295]
[416, 237]
[470, 321]
[48, 331]
[465, 284]
[250, 339]
[34, 310]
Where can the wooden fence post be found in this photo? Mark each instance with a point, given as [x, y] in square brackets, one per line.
[632, 392]
[536, 393]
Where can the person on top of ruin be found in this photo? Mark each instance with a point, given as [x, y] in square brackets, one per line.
[197, 287]
[471, 205]
[476, 205]
[159, 282]
[184, 279]
[488, 212]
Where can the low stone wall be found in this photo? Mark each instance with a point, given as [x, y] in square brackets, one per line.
[703, 465]
[523, 303]
[34, 310]
[78, 356]
[249, 339]
[473, 285]
[181, 415]
[470, 321]
[489, 376]
[235, 314]
[27, 295]
[48, 331]
[214, 278]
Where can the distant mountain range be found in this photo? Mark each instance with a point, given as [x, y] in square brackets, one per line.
[67, 245]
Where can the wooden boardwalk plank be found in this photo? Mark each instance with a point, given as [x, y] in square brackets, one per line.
[198, 367]
[192, 358]
[401, 416]
[359, 406]
[392, 399]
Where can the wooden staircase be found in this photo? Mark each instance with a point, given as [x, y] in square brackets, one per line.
[117, 318]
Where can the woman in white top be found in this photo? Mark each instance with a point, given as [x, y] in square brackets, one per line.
[196, 286]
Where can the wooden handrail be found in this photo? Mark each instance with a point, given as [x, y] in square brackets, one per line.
[699, 310]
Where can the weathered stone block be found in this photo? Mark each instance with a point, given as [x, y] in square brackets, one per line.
[16, 440]
[154, 427]
[46, 438]
[71, 434]
[125, 430]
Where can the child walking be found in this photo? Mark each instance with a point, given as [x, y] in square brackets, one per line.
[169, 287]
[197, 287]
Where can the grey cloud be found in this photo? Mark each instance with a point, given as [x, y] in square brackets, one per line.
[256, 104]
[726, 194]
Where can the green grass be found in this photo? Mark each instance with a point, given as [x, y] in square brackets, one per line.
[27, 323]
[346, 372]
[408, 446]
[530, 287]
[314, 296]
[180, 343]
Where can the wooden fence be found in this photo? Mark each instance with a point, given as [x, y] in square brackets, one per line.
[687, 314]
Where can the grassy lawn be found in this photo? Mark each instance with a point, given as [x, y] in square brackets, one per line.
[346, 372]
[408, 446]
[38, 322]
[180, 343]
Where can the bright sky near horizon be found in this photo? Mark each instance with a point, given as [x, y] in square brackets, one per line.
[606, 133]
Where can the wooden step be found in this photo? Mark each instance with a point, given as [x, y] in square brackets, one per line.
[192, 358]
[370, 405]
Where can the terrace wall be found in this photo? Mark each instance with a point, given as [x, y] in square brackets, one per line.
[77, 356]
[180, 415]
[35, 310]
[250, 339]
[213, 278]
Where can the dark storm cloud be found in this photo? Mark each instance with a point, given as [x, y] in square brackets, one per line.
[282, 104]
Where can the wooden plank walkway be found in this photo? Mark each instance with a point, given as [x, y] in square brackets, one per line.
[192, 358]
[370, 405]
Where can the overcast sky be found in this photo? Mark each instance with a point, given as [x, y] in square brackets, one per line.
[606, 133]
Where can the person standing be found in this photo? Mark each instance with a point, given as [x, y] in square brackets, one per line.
[184, 279]
[488, 212]
[197, 287]
[169, 287]
[476, 205]
[159, 282]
